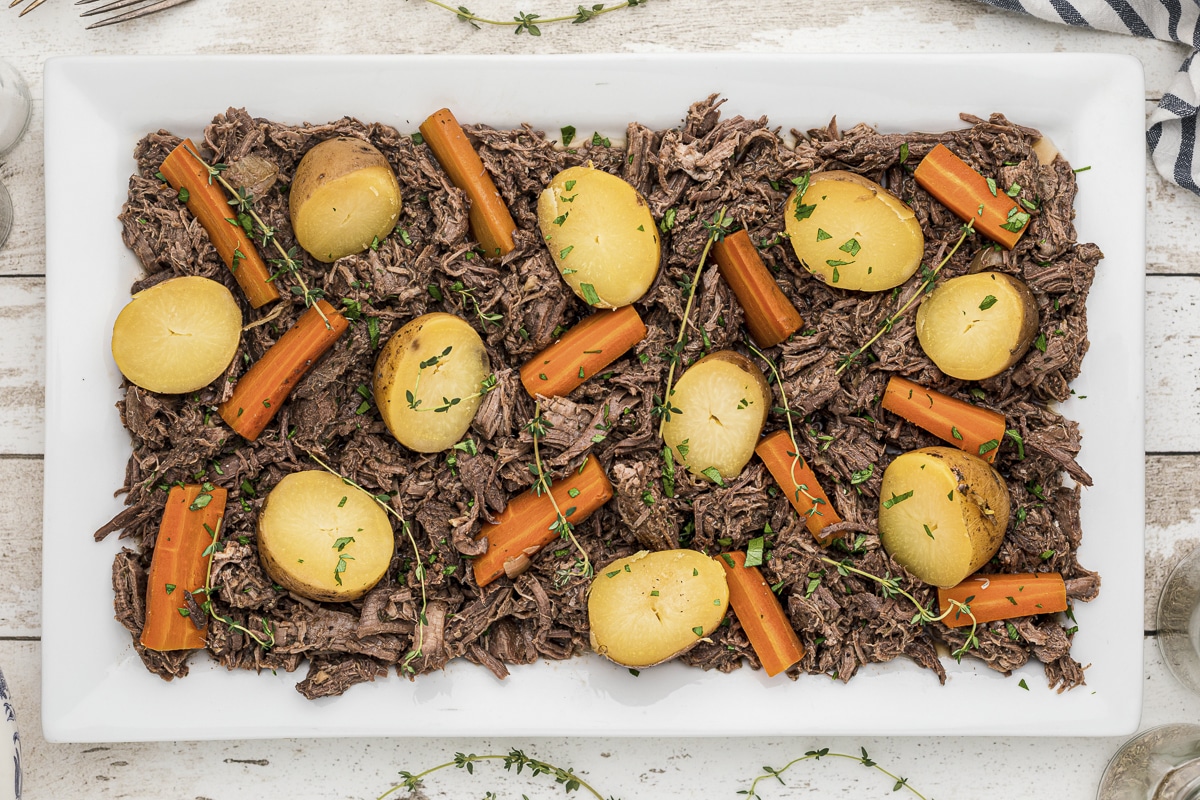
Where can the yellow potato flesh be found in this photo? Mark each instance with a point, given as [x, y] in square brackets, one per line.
[976, 326]
[456, 366]
[344, 198]
[942, 513]
[177, 336]
[323, 539]
[651, 607]
[601, 236]
[718, 407]
[854, 234]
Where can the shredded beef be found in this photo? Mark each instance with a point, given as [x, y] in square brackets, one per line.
[519, 305]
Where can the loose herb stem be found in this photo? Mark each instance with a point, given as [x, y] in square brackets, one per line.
[929, 278]
[420, 568]
[515, 759]
[528, 23]
[541, 486]
[207, 605]
[817, 755]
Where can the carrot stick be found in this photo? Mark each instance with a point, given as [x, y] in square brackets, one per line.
[994, 597]
[266, 385]
[798, 480]
[523, 527]
[770, 316]
[969, 195]
[977, 430]
[582, 352]
[762, 617]
[189, 526]
[491, 223]
[209, 204]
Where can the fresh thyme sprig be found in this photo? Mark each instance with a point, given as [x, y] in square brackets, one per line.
[891, 588]
[414, 653]
[717, 229]
[469, 294]
[514, 760]
[817, 755]
[414, 402]
[542, 482]
[528, 23]
[929, 275]
[249, 221]
[265, 643]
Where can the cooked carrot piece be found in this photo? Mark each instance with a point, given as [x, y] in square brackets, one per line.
[266, 385]
[972, 197]
[979, 431]
[209, 204]
[996, 597]
[525, 525]
[799, 483]
[582, 352]
[770, 316]
[762, 617]
[190, 525]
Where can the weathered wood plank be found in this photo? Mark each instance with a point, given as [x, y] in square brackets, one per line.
[22, 364]
[21, 547]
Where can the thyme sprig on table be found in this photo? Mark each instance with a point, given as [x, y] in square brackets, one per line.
[419, 571]
[929, 276]
[529, 23]
[513, 760]
[537, 428]
[817, 755]
[247, 219]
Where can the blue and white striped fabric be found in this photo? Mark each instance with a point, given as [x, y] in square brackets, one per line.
[1171, 132]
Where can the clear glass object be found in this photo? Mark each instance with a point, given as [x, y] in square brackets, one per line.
[1179, 621]
[16, 107]
[6, 215]
[1162, 763]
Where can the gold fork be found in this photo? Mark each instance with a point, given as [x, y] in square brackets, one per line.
[27, 8]
[140, 8]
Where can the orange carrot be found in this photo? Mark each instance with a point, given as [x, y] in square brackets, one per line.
[770, 316]
[994, 597]
[969, 195]
[261, 391]
[977, 430]
[582, 352]
[523, 527]
[491, 223]
[190, 525]
[762, 617]
[799, 482]
[209, 204]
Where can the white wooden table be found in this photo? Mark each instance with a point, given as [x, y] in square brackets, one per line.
[964, 768]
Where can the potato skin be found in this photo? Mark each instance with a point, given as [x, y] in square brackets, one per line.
[177, 336]
[729, 387]
[962, 501]
[601, 236]
[458, 374]
[653, 606]
[349, 174]
[970, 339]
[300, 526]
[853, 234]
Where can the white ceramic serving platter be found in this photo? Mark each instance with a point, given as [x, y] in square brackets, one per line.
[94, 685]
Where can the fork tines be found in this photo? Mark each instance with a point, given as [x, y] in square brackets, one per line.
[143, 7]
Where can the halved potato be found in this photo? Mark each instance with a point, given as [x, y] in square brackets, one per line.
[177, 336]
[852, 233]
[942, 513]
[976, 326]
[650, 607]
[429, 380]
[344, 197]
[717, 410]
[601, 236]
[322, 539]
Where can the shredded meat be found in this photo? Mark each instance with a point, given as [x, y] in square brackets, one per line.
[518, 306]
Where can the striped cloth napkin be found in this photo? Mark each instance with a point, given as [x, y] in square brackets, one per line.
[1171, 131]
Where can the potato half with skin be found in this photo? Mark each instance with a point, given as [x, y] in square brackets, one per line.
[429, 380]
[852, 233]
[601, 236]
[322, 539]
[976, 326]
[344, 197]
[718, 407]
[942, 513]
[177, 336]
[650, 607]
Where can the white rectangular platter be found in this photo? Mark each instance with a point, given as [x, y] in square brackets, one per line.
[94, 685]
